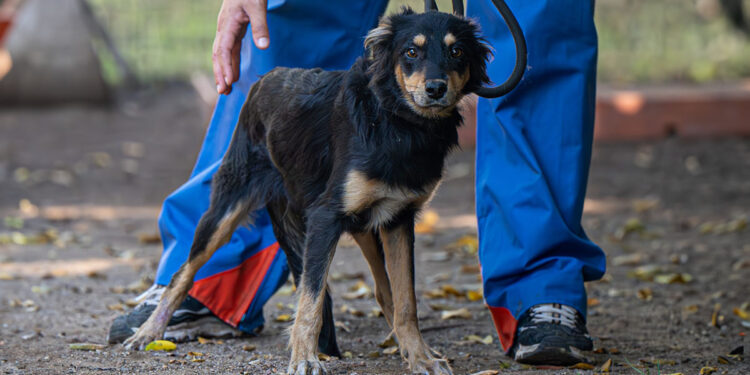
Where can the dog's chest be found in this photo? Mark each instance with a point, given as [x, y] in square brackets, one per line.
[380, 200]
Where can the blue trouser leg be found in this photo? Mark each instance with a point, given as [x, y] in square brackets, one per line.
[533, 154]
[243, 274]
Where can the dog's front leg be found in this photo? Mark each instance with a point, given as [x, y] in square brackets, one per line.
[398, 245]
[323, 232]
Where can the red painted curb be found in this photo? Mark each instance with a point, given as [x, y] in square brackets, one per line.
[650, 113]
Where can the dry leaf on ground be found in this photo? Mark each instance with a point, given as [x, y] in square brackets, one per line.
[462, 313]
[161, 346]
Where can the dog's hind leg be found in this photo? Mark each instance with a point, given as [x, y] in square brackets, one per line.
[245, 182]
[289, 229]
[398, 246]
[372, 249]
[323, 232]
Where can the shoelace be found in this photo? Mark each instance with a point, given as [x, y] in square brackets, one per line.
[554, 313]
[151, 296]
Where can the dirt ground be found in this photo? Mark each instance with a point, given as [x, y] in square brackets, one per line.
[81, 189]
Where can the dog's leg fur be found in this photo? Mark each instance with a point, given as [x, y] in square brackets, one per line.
[323, 232]
[289, 229]
[372, 249]
[398, 244]
[245, 182]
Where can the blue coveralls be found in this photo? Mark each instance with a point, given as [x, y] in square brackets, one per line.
[533, 153]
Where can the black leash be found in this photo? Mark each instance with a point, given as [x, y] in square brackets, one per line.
[518, 38]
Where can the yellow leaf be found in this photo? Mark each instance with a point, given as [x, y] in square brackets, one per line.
[283, 318]
[708, 370]
[248, 348]
[468, 243]
[474, 295]
[324, 357]
[203, 340]
[593, 302]
[450, 289]
[389, 341]
[462, 313]
[723, 360]
[196, 354]
[391, 350]
[715, 315]
[427, 222]
[645, 294]
[673, 278]
[161, 346]
[607, 366]
[435, 293]
[347, 354]
[197, 360]
[582, 366]
[743, 314]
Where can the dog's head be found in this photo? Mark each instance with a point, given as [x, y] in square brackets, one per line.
[433, 58]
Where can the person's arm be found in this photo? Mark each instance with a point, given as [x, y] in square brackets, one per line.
[231, 26]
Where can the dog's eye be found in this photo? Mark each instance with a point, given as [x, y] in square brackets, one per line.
[411, 53]
[456, 52]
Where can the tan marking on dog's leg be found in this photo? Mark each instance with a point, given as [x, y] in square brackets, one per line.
[449, 39]
[303, 335]
[398, 248]
[367, 243]
[182, 281]
[419, 40]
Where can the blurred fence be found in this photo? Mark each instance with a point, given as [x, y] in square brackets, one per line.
[640, 40]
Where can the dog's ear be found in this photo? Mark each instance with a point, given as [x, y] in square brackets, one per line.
[379, 46]
[379, 38]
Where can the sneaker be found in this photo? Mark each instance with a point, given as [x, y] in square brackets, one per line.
[551, 334]
[191, 320]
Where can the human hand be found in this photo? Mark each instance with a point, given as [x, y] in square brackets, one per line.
[231, 26]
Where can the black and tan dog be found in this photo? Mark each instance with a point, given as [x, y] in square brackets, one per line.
[357, 151]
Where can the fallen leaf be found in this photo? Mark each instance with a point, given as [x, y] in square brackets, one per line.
[607, 366]
[632, 225]
[426, 223]
[486, 340]
[742, 313]
[161, 345]
[375, 312]
[248, 348]
[628, 260]
[195, 354]
[133, 149]
[87, 346]
[582, 366]
[593, 302]
[197, 360]
[359, 290]
[462, 313]
[474, 295]
[722, 360]
[324, 357]
[341, 325]
[350, 310]
[435, 293]
[468, 244]
[470, 268]
[658, 362]
[645, 294]
[283, 318]
[440, 307]
[391, 350]
[708, 370]
[388, 342]
[715, 315]
[673, 278]
[646, 273]
[347, 354]
[451, 290]
[100, 159]
[116, 307]
[149, 238]
[487, 372]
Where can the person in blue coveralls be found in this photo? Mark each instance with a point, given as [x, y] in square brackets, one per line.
[532, 162]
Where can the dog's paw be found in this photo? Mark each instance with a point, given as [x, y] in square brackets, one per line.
[431, 366]
[140, 339]
[306, 368]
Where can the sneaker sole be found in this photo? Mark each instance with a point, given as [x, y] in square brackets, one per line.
[548, 355]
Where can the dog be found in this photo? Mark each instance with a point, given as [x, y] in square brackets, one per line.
[357, 151]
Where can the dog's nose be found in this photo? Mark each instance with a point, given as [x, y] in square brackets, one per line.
[436, 88]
